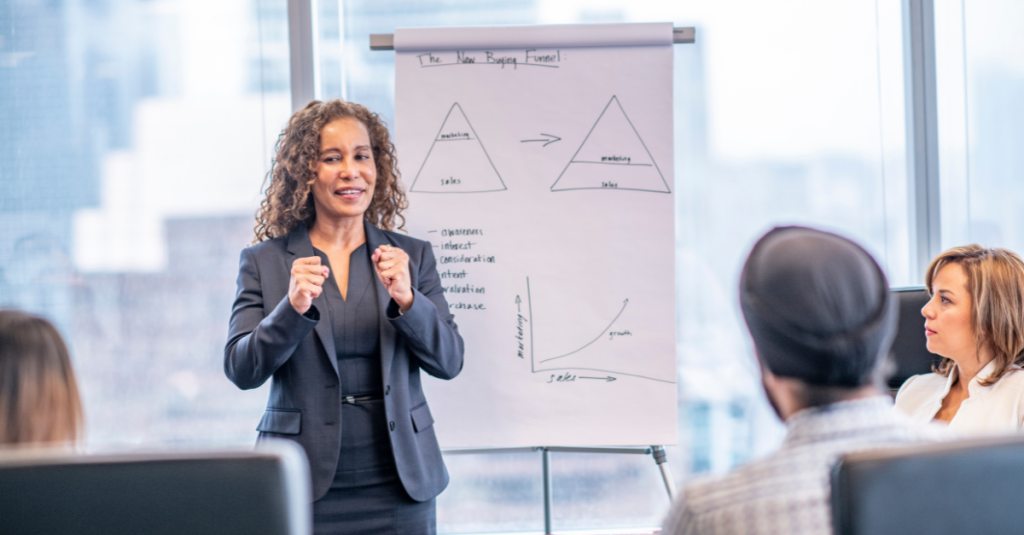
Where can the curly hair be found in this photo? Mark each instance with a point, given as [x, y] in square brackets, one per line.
[288, 202]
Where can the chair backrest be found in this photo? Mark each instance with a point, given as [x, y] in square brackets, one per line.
[939, 489]
[254, 492]
[909, 349]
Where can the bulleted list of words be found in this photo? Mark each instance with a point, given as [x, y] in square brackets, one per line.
[460, 253]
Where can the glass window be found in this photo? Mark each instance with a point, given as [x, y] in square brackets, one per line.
[135, 138]
[980, 77]
[790, 114]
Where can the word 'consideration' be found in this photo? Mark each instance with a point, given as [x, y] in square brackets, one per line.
[463, 259]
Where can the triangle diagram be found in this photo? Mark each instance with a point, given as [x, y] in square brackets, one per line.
[612, 156]
[457, 161]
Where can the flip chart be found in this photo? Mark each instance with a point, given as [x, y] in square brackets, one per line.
[538, 162]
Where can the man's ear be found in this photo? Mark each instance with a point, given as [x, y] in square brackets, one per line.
[774, 385]
[767, 377]
[784, 393]
[770, 383]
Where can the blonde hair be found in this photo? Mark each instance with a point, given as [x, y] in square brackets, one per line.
[39, 401]
[995, 281]
[289, 203]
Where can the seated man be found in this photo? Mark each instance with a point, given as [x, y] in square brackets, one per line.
[819, 310]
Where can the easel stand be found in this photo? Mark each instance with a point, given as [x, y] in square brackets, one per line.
[657, 451]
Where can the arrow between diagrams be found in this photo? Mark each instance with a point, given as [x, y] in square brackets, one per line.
[545, 141]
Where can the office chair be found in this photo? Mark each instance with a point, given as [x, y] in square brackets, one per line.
[264, 492]
[968, 486]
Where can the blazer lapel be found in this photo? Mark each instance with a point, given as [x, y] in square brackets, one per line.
[374, 239]
[300, 246]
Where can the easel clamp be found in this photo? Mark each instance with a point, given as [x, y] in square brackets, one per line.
[386, 41]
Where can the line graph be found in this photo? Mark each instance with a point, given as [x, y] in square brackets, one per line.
[624, 303]
[535, 364]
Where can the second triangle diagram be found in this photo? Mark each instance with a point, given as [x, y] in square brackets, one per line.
[457, 161]
[612, 156]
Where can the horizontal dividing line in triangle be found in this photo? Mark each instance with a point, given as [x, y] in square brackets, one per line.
[613, 163]
[610, 189]
[451, 192]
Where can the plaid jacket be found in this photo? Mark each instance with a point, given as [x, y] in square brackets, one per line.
[788, 493]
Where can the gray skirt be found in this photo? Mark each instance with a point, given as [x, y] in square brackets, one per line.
[366, 496]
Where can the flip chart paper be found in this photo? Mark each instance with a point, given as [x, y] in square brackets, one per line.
[539, 165]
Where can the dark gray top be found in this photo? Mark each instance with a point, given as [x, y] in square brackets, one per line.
[355, 322]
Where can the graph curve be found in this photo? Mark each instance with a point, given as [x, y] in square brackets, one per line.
[624, 303]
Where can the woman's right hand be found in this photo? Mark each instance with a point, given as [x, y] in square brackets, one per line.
[306, 282]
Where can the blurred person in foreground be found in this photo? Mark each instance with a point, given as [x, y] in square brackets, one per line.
[343, 313]
[819, 310]
[975, 321]
[39, 401]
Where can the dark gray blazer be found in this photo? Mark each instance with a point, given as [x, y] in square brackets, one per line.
[267, 337]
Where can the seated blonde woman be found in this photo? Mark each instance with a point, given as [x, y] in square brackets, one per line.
[39, 402]
[975, 320]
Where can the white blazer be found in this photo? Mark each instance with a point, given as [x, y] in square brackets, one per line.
[988, 409]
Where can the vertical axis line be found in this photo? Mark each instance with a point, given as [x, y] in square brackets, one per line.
[529, 308]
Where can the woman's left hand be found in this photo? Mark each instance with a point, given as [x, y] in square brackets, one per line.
[392, 266]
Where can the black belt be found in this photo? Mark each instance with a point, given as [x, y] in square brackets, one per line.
[359, 399]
